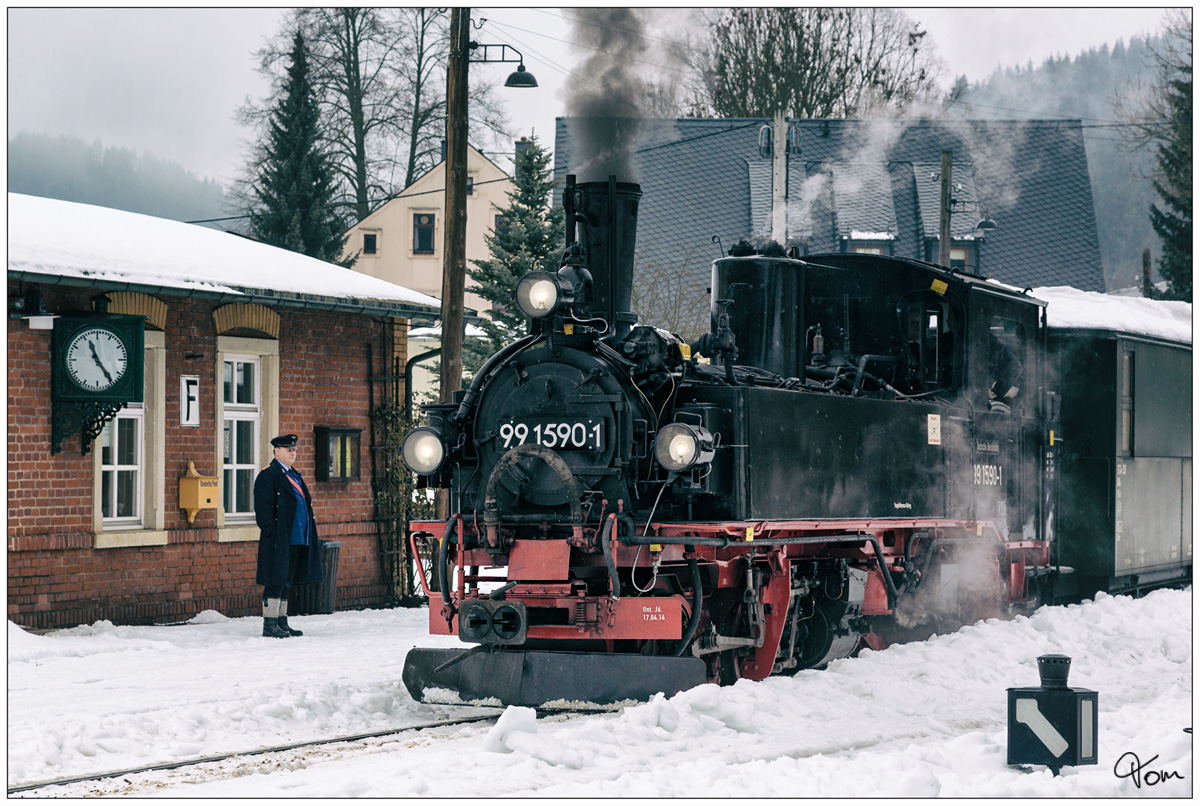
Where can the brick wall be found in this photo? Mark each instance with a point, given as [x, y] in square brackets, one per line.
[56, 576]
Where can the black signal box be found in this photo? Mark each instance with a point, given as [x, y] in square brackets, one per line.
[1052, 724]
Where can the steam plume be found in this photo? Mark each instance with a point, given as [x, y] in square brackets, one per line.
[605, 101]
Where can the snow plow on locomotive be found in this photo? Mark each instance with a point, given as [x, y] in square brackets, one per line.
[867, 455]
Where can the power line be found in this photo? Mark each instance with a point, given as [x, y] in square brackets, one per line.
[382, 202]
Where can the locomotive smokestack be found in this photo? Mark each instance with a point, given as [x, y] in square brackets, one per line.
[607, 214]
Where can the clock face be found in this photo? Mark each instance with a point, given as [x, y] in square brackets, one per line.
[96, 359]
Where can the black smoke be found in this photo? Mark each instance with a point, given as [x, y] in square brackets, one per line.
[606, 97]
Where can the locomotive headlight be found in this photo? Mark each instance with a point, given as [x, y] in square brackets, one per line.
[539, 294]
[680, 446]
[423, 450]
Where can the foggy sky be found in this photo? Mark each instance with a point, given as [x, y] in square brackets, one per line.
[166, 82]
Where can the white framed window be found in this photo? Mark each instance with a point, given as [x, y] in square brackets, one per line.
[122, 470]
[129, 488]
[246, 416]
[242, 397]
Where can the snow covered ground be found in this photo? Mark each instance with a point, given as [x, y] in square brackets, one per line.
[918, 720]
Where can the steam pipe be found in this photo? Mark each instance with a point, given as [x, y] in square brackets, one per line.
[443, 561]
[408, 376]
[606, 546]
[697, 604]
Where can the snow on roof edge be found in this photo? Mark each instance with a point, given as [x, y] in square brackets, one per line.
[71, 240]
[1068, 307]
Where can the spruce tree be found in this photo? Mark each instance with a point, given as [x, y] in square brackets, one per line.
[293, 187]
[1173, 220]
[530, 238]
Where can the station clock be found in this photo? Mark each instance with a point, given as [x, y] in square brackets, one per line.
[96, 368]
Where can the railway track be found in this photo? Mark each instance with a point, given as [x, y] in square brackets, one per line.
[29, 787]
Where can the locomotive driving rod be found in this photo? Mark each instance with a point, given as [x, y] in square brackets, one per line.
[725, 542]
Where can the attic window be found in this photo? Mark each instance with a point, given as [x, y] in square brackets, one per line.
[370, 244]
[470, 185]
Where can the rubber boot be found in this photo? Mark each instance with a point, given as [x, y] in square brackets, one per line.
[283, 620]
[271, 628]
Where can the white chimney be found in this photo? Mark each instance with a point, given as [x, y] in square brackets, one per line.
[779, 182]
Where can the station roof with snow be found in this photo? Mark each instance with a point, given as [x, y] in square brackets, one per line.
[64, 243]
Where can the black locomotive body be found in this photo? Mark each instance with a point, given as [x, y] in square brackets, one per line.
[865, 454]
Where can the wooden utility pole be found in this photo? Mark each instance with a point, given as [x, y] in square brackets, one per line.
[944, 217]
[454, 253]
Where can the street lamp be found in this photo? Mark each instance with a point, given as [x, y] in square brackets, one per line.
[454, 270]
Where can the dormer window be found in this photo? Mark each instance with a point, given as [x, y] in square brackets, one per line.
[960, 258]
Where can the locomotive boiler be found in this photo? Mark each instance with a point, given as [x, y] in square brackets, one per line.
[861, 449]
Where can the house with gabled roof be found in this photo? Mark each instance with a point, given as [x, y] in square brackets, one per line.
[403, 239]
[860, 186]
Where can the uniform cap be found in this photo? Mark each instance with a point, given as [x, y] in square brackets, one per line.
[285, 441]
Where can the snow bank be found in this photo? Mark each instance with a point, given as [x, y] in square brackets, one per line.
[917, 720]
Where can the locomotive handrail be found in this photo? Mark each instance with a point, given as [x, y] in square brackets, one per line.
[503, 355]
[443, 560]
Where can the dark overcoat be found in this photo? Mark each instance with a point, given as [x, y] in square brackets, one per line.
[275, 512]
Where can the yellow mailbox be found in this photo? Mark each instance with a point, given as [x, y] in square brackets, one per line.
[197, 492]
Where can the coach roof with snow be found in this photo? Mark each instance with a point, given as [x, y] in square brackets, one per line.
[54, 242]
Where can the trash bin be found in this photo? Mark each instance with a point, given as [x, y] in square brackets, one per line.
[318, 597]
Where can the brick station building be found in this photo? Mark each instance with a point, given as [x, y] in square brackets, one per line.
[242, 341]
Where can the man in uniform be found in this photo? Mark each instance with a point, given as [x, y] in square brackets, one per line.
[288, 549]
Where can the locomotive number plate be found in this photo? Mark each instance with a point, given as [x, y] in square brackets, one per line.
[564, 435]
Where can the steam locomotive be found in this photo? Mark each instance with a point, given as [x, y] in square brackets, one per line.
[870, 451]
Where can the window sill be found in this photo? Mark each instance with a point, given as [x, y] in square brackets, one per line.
[129, 538]
[238, 533]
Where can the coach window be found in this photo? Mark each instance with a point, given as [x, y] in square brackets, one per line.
[424, 229]
[1127, 402]
[128, 456]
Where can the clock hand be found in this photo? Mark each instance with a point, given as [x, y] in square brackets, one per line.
[96, 358]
